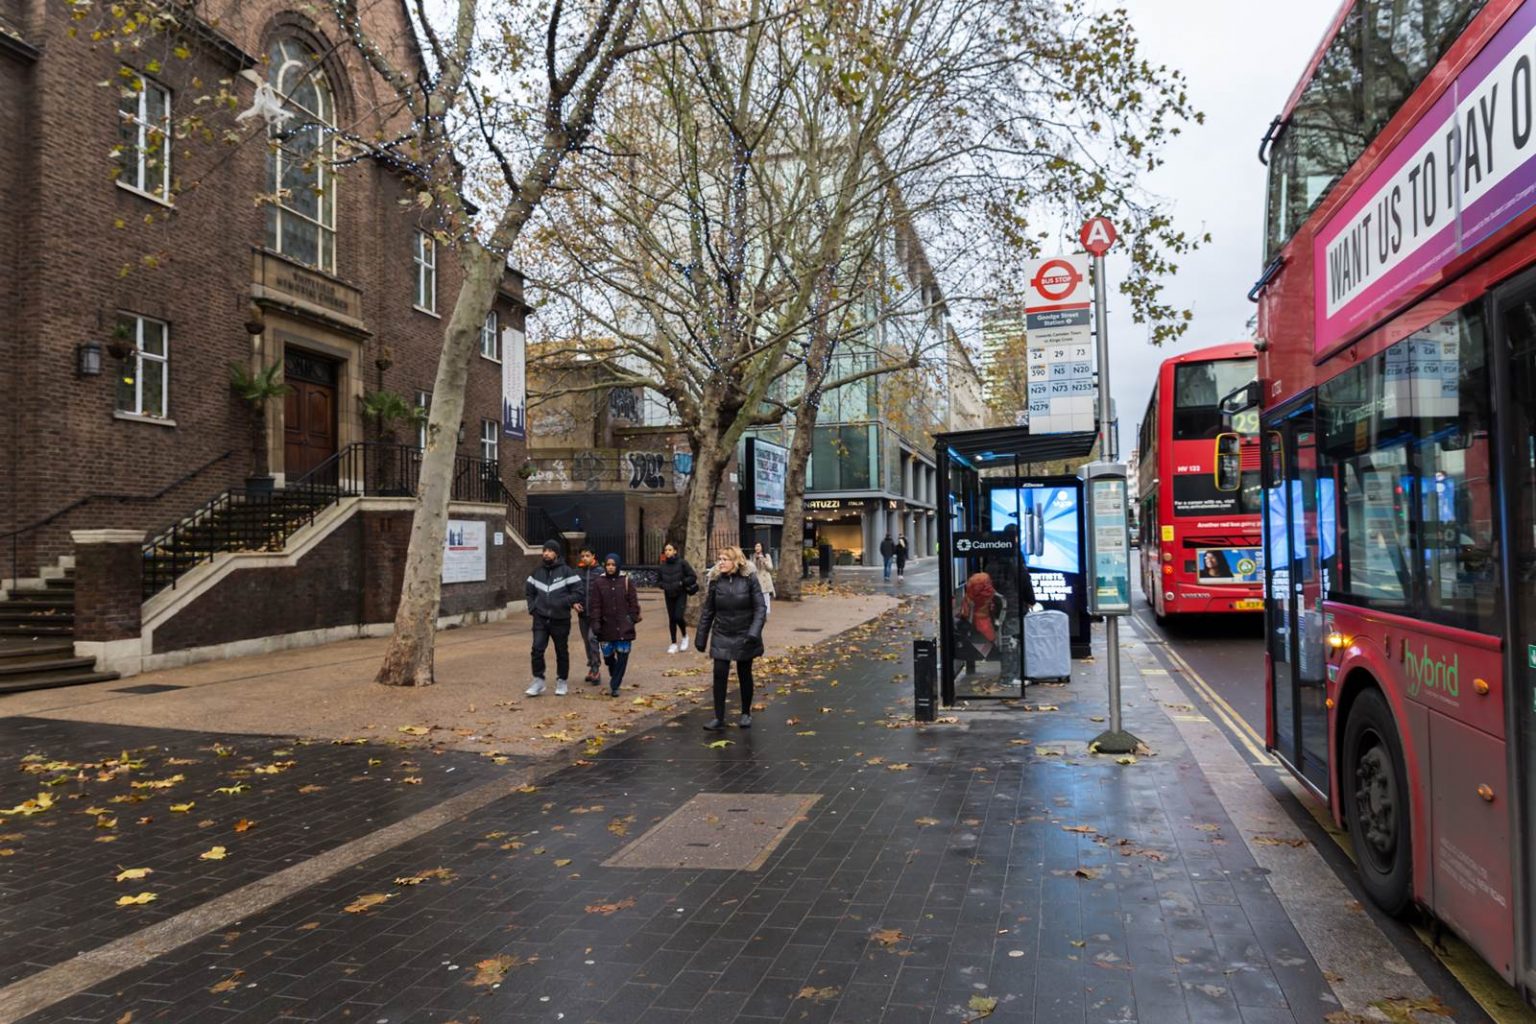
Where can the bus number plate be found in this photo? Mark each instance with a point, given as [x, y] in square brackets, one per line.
[1250, 604]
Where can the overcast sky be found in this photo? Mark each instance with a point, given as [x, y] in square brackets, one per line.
[1242, 61]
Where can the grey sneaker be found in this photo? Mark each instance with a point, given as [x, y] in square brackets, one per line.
[745, 722]
[536, 689]
[715, 725]
[560, 688]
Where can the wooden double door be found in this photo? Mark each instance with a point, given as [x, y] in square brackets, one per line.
[309, 412]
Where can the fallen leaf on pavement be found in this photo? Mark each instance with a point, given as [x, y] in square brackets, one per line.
[620, 826]
[165, 783]
[490, 972]
[982, 1006]
[229, 984]
[791, 721]
[610, 908]
[308, 789]
[818, 995]
[1089, 873]
[412, 780]
[30, 807]
[527, 789]
[563, 862]
[184, 808]
[234, 790]
[139, 900]
[244, 825]
[903, 766]
[414, 730]
[887, 936]
[719, 744]
[216, 853]
[595, 808]
[925, 822]
[1086, 830]
[126, 1018]
[1278, 841]
[134, 874]
[363, 903]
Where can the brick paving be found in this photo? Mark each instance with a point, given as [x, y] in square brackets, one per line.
[943, 867]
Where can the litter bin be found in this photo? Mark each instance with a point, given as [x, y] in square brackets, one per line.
[925, 670]
[825, 559]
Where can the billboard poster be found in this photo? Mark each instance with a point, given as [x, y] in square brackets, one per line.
[514, 385]
[1111, 593]
[1045, 515]
[464, 551]
[1229, 565]
[769, 464]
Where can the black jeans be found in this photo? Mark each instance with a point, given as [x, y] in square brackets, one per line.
[677, 609]
[558, 630]
[618, 661]
[589, 639]
[723, 675]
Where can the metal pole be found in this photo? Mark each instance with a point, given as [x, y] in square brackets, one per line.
[1111, 622]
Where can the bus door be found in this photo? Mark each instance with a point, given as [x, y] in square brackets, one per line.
[1293, 588]
[1516, 334]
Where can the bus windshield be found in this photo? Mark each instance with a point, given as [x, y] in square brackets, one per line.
[1198, 389]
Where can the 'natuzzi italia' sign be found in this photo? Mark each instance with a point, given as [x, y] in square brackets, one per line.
[282, 280]
[1465, 170]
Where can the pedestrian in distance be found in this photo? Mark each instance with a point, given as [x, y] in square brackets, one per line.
[888, 553]
[901, 557]
[678, 583]
[591, 570]
[615, 609]
[762, 562]
[553, 591]
[731, 625]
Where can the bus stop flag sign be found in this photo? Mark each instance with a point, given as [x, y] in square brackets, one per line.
[1097, 235]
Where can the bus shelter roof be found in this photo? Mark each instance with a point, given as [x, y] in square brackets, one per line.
[979, 448]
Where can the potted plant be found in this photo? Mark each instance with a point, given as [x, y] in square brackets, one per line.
[389, 410]
[257, 388]
[526, 470]
[122, 344]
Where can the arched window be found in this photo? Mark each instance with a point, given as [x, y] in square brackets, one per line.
[301, 220]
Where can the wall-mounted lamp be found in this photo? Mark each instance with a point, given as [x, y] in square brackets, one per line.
[461, 431]
[88, 359]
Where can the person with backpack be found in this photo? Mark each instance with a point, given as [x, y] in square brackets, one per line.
[553, 591]
[591, 571]
[678, 581]
[887, 553]
[614, 607]
[731, 625]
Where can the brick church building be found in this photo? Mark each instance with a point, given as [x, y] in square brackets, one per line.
[156, 245]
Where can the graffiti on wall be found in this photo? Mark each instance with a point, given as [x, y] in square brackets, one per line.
[624, 404]
[647, 471]
[587, 468]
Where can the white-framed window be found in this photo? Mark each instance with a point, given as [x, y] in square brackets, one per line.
[490, 437]
[490, 337]
[426, 272]
[144, 145]
[301, 217]
[424, 403]
[143, 379]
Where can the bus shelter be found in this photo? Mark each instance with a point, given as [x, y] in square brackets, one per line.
[1000, 526]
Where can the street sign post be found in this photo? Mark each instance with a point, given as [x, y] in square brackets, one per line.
[1097, 235]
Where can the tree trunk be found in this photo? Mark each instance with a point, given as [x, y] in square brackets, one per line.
[708, 469]
[409, 659]
[792, 551]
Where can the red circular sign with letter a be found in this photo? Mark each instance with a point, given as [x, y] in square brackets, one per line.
[1097, 235]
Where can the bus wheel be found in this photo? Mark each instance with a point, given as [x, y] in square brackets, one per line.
[1375, 795]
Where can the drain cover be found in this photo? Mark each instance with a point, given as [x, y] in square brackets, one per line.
[809, 629]
[148, 688]
[728, 831]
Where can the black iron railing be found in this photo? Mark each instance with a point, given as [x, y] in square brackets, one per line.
[15, 535]
[244, 519]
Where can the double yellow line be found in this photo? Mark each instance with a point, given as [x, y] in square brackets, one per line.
[1223, 711]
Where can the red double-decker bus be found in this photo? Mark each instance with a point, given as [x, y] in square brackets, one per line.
[1200, 496]
[1397, 337]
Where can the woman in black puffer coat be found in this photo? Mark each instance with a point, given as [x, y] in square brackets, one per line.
[731, 623]
[678, 580]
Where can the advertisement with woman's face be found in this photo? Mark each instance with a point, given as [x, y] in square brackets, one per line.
[1229, 565]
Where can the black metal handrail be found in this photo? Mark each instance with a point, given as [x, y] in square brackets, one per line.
[263, 520]
[16, 534]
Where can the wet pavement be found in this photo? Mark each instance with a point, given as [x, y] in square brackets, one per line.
[983, 867]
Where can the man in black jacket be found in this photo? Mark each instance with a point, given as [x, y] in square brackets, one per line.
[887, 553]
[591, 571]
[553, 591]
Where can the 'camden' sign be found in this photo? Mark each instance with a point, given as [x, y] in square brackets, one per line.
[1464, 171]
